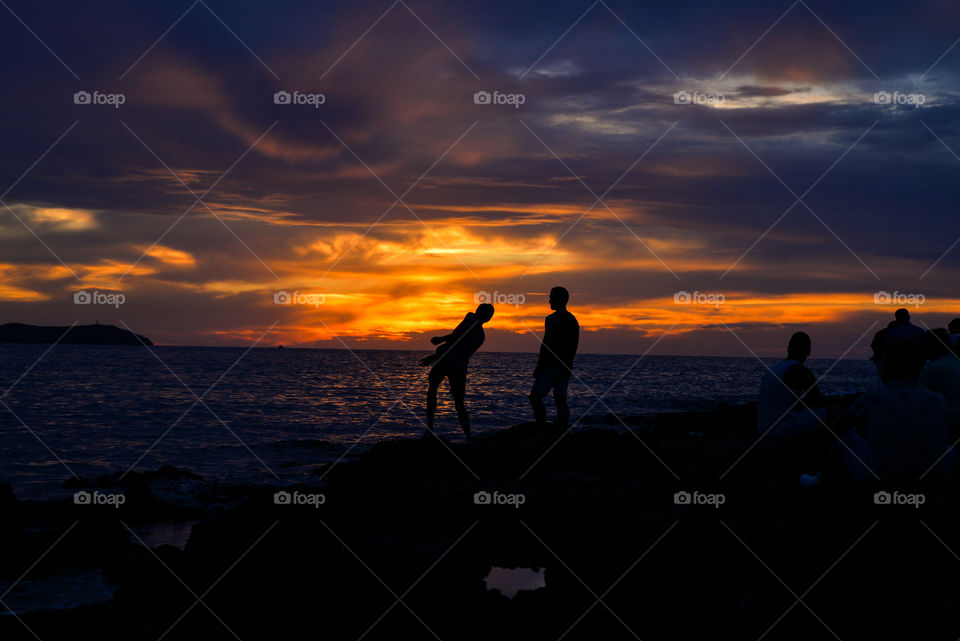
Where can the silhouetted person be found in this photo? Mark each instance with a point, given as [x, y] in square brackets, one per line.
[879, 340]
[900, 429]
[942, 374]
[904, 330]
[790, 403]
[450, 362]
[555, 365]
[954, 329]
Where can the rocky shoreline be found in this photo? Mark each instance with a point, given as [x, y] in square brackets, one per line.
[661, 527]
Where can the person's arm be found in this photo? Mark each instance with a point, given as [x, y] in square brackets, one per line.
[452, 336]
[814, 397]
[572, 339]
[876, 345]
[544, 347]
[802, 382]
[928, 378]
[853, 418]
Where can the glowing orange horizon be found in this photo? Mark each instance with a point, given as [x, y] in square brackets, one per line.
[418, 279]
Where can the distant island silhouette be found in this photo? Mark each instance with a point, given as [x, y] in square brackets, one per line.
[79, 335]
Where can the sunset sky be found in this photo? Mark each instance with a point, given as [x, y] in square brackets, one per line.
[781, 192]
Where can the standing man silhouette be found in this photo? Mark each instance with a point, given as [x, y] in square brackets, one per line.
[555, 364]
[450, 362]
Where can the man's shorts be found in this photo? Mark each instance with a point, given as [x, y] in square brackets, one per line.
[554, 379]
[453, 373]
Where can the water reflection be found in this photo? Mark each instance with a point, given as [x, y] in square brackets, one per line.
[58, 592]
[101, 408]
[509, 581]
[165, 533]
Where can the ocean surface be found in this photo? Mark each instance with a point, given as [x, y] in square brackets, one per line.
[273, 415]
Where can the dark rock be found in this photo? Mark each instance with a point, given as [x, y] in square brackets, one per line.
[128, 479]
[77, 335]
[599, 510]
[6, 493]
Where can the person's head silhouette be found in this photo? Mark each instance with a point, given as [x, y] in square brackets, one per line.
[484, 312]
[559, 297]
[954, 326]
[798, 349]
[902, 316]
[936, 343]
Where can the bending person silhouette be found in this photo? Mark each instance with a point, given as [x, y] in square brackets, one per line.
[555, 364]
[450, 362]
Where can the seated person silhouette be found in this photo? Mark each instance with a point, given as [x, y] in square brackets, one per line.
[450, 362]
[555, 363]
[790, 404]
[879, 340]
[942, 374]
[904, 330]
[954, 329]
[899, 430]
